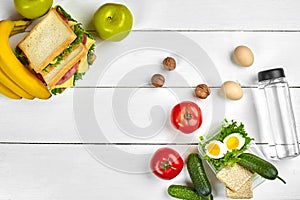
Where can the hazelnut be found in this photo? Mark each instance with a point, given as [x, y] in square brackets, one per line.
[202, 91]
[169, 63]
[158, 80]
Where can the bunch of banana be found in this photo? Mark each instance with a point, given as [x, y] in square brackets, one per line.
[17, 81]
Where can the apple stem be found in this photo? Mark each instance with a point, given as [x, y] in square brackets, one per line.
[109, 18]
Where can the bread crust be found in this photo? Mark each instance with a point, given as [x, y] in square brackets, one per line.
[58, 50]
[234, 177]
[245, 192]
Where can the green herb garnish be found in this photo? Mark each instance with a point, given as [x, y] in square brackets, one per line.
[79, 32]
[69, 18]
[78, 76]
[45, 69]
[230, 157]
[60, 10]
[21, 57]
[56, 91]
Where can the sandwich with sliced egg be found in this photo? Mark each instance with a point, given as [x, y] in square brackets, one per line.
[58, 50]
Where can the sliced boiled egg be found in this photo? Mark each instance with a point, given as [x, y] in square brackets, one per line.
[215, 149]
[234, 141]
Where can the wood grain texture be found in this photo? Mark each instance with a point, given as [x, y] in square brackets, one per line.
[69, 172]
[59, 119]
[48, 148]
[143, 59]
[191, 15]
[270, 50]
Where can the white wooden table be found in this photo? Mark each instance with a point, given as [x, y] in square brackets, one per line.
[51, 150]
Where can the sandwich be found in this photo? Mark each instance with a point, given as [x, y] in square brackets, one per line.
[58, 50]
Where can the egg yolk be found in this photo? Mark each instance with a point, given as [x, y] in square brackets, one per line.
[232, 143]
[213, 149]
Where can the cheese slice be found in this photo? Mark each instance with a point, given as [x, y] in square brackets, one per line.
[83, 65]
[69, 83]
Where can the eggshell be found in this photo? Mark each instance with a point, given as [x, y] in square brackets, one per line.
[243, 56]
[232, 90]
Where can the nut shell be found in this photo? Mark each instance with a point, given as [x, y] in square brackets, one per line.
[169, 63]
[202, 91]
[157, 80]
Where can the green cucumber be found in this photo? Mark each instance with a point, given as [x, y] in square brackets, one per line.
[198, 175]
[184, 192]
[259, 166]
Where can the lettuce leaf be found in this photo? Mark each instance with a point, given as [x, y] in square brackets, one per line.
[78, 30]
[56, 91]
[20, 55]
[78, 76]
[230, 157]
[60, 10]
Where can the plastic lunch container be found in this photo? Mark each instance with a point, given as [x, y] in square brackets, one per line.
[252, 148]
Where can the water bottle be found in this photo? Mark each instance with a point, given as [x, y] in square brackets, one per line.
[283, 141]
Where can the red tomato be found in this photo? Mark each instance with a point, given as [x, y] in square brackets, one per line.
[186, 117]
[166, 163]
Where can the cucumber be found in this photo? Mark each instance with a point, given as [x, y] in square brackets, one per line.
[184, 192]
[198, 175]
[259, 166]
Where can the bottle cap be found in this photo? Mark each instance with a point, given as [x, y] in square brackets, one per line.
[270, 74]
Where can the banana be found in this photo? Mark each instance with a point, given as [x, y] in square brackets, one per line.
[14, 69]
[4, 80]
[20, 26]
[8, 93]
[24, 23]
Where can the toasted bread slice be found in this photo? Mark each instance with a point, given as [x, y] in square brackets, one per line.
[245, 192]
[234, 177]
[47, 40]
[54, 73]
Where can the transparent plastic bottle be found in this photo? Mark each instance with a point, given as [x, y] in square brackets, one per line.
[284, 141]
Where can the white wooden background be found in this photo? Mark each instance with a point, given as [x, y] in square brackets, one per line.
[42, 155]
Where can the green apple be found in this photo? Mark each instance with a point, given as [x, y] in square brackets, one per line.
[113, 21]
[32, 9]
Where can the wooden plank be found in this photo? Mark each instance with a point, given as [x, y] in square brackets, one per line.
[201, 57]
[191, 15]
[71, 172]
[125, 115]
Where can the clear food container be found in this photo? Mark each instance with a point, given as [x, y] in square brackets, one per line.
[252, 148]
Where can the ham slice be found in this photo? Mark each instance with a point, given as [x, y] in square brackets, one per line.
[69, 74]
